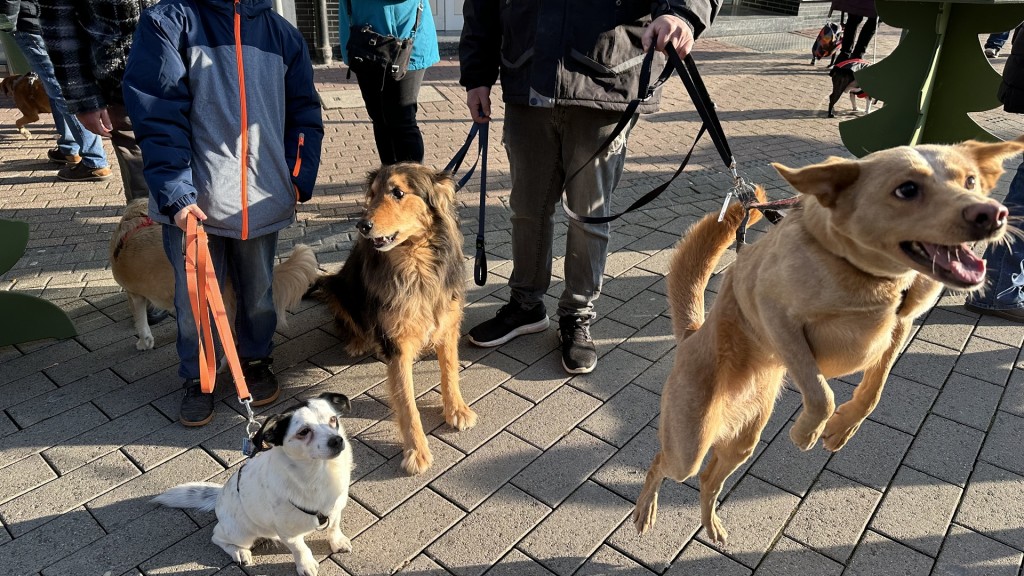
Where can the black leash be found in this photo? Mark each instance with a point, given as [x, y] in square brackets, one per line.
[481, 128]
[686, 68]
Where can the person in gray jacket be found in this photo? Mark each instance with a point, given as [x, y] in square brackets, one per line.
[568, 69]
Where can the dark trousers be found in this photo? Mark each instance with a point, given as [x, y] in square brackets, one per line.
[392, 107]
[856, 44]
[128, 153]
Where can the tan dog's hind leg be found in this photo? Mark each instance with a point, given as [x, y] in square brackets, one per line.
[456, 413]
[646, 510]
[417, 456]
[848, 417]
[138, 307]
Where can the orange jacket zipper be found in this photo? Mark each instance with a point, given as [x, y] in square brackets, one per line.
[298, 156]
[244, 120]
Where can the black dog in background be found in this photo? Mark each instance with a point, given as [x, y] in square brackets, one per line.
[843, 81]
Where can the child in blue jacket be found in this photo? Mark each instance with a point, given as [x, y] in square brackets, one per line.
[222, 99]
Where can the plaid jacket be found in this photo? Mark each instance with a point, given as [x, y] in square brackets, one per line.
[88, 42]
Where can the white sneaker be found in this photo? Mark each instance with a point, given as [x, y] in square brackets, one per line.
[991, 52]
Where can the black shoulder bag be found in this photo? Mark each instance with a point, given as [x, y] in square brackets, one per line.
[368, 49]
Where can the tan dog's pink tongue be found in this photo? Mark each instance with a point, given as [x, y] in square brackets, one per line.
[960, 261]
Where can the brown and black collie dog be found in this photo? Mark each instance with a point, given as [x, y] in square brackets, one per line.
[402, 291]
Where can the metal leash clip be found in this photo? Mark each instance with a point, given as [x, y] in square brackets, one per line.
[743, 191]
[251, 427]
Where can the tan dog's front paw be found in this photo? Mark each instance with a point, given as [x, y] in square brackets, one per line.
[839, 429]
[24, 132]
[461, 418]
[417, 461]
[805, 435]
[716, 531]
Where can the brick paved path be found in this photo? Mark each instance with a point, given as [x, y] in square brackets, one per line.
[931, 484]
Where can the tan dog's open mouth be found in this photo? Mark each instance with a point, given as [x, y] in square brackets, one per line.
[951, 265]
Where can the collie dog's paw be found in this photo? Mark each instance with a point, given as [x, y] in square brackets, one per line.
[417, 461]
[461, 418]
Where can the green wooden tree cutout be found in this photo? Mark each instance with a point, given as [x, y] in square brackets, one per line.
[25, 318]
[935, 76]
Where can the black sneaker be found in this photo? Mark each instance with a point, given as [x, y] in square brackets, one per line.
[57, 157]
[579, 355]
[992, 52]
[82, 173]
[512, 320]
[155, 316]
[262, 383]
[196, 407]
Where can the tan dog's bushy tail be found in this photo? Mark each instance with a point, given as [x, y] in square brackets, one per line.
[694, 261]
[291, 280]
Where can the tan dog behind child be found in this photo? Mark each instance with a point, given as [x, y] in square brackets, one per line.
[832, 290]
[402, 290]
[139, 265]
[29, 97]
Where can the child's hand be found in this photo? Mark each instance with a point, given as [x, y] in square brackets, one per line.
[181, 218]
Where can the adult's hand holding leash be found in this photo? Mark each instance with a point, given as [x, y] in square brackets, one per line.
[479, 102]
[666, 29]
[181, 218]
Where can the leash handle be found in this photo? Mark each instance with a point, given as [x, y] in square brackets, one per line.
[480, 129]
[206, 300]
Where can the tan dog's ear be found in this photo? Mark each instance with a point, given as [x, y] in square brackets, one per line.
[824, 181]
[443, 193]
[989, 158]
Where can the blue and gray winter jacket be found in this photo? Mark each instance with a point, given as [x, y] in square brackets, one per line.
[222, 100]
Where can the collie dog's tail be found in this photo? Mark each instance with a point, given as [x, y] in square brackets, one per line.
[694, 261]
[292, 279]
[197, 495]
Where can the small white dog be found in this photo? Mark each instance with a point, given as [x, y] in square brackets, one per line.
[297, 482]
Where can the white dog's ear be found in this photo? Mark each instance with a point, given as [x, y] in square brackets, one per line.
[272, 432]
[337, 401]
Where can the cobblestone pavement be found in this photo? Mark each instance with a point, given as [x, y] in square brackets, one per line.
[931, 484]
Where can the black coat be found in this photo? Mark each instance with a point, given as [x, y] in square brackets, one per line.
[25, 12]
[566, 52]
[856, 7]
[1011, 91]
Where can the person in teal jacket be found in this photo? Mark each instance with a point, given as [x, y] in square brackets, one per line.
[391, 103]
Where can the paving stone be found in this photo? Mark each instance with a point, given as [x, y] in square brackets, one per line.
[423, 566]
[65, 535]
[754, 514]
[833, 516]
[904, 404]
[916, 510]
[383, 437]
[482, 377]
[488, 533]
[967, 553]
[561, 542]
[1003, 443]
[388, 486]
[608, 561]
[515, 563]
[104, 439]
[925, 363]
[68, 492]
[364, 459]
[987, 360]
[640, 310]
[624, 473]
[496, 410]
[617, 369]
[23, 476]
[49, 432]
[730, 482]
[15, 392]
[946, 329]
[141, 392]
[1000, 330]
[654, 339]
[366, 412]
[195, 554]
[1013, 398]
[878, 556]
[554, 416]
[133, 498]
[945, 449]
[968, 401]
[678, 520]
[483, 472]
[173, 439]
[562, 468]
[790, 558]
[50, 355]
[700, 559]
[653, 378]
[872, 456]
[353, 379]
[379, 550]
[535, 382]
[622, 416]
[119, 551]
[992, 505]
[789, 468]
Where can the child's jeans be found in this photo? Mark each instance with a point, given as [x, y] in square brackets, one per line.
[1004, 262]
[249, 265]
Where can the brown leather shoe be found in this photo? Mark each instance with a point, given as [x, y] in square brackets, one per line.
[82, 173]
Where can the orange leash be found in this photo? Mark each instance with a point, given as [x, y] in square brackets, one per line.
[205, 297]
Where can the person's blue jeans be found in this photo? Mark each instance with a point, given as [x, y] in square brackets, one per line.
[545, 146]
[996, 41]
[250, 266]
[73, 139]
[1004, 286]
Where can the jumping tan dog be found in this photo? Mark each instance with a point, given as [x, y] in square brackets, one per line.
[832, 290]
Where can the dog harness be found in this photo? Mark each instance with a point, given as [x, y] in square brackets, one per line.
[323, 520]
